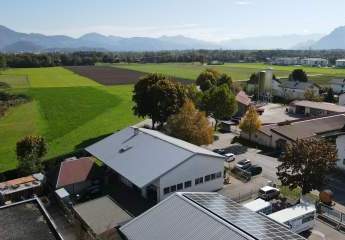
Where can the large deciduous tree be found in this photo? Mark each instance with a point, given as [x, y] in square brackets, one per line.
[30, 151]
[190, 125]
[305, 164]
[219, 102]
[298, 75]
[251, 122]
[157, 97]
[207, 79]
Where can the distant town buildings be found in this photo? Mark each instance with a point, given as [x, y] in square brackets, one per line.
[312, 62]
[340, 63]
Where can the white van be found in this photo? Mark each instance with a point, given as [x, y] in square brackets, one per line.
[260, 206]
[298, 218]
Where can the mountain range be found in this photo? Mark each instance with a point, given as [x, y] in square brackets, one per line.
[12, 41]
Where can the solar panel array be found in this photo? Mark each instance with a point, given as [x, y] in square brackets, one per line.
[253, 224]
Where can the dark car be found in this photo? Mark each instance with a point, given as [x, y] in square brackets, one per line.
[254, 170]
[244, 164]
[220, 151]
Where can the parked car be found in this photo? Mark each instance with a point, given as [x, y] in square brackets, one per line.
[254, 170]
[244, 164]
[220, 151]
[268, 193]
[230, 157]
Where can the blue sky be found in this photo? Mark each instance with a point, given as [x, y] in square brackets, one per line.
[205, 19]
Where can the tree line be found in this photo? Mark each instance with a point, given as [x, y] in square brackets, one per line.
[203, 56]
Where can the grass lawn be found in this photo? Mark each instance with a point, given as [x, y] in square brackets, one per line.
[68, 110]
[238, 71]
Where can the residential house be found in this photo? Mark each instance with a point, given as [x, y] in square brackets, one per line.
[286, 61]
[206, 216]
[293, 90]
[156, 165]
[338, 85]
[277, 135]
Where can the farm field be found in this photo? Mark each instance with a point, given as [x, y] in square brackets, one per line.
[238, 71]
[107, 75]
[68, 110]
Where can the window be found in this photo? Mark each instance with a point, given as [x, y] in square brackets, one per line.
[166, 190]
[179, 186]
[187, 184]
[213, 176]
[218, 174]
[199, 180]
[207, 178]
[173, 188]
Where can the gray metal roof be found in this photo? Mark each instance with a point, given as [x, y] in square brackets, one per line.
[101, 214]
[143, 155]
[204, 216]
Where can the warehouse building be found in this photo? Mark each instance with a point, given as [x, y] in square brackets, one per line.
[156, 165]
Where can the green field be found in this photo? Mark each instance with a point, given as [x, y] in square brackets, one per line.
[67, 109]
[238, 71]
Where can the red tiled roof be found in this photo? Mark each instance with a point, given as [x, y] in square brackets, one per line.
[74, 171]
[243, 98]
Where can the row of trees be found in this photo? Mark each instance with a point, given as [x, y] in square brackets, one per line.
[202, 56]
[166, 101]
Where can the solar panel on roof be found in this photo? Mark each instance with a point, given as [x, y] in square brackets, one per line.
[256, 225]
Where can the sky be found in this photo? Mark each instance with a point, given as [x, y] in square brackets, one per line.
[211, 20]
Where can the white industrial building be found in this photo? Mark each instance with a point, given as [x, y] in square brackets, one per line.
[204, 216]
[340, 63]
[338, 85]
[157, 165]
[314, 62]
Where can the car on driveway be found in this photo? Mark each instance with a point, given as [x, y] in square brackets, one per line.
[244, 164]
[230, 157]
[268, 193]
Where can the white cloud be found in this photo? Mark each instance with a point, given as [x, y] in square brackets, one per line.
[243, 2]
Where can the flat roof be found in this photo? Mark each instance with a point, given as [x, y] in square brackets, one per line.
[257, 205]
[26, 220]
[102, 214]
[292, 212]
[319, 105]
[204, 216]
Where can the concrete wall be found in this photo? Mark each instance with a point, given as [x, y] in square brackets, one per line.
[297, 94]
[195, 167]
[259, 138]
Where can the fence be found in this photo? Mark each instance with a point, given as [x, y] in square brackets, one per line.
[331, 214]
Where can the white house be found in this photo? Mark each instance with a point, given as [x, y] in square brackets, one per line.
[293, 90]
[314, 62]
[338, 85]
[203, 216]
[157, 165]
[340, 63]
